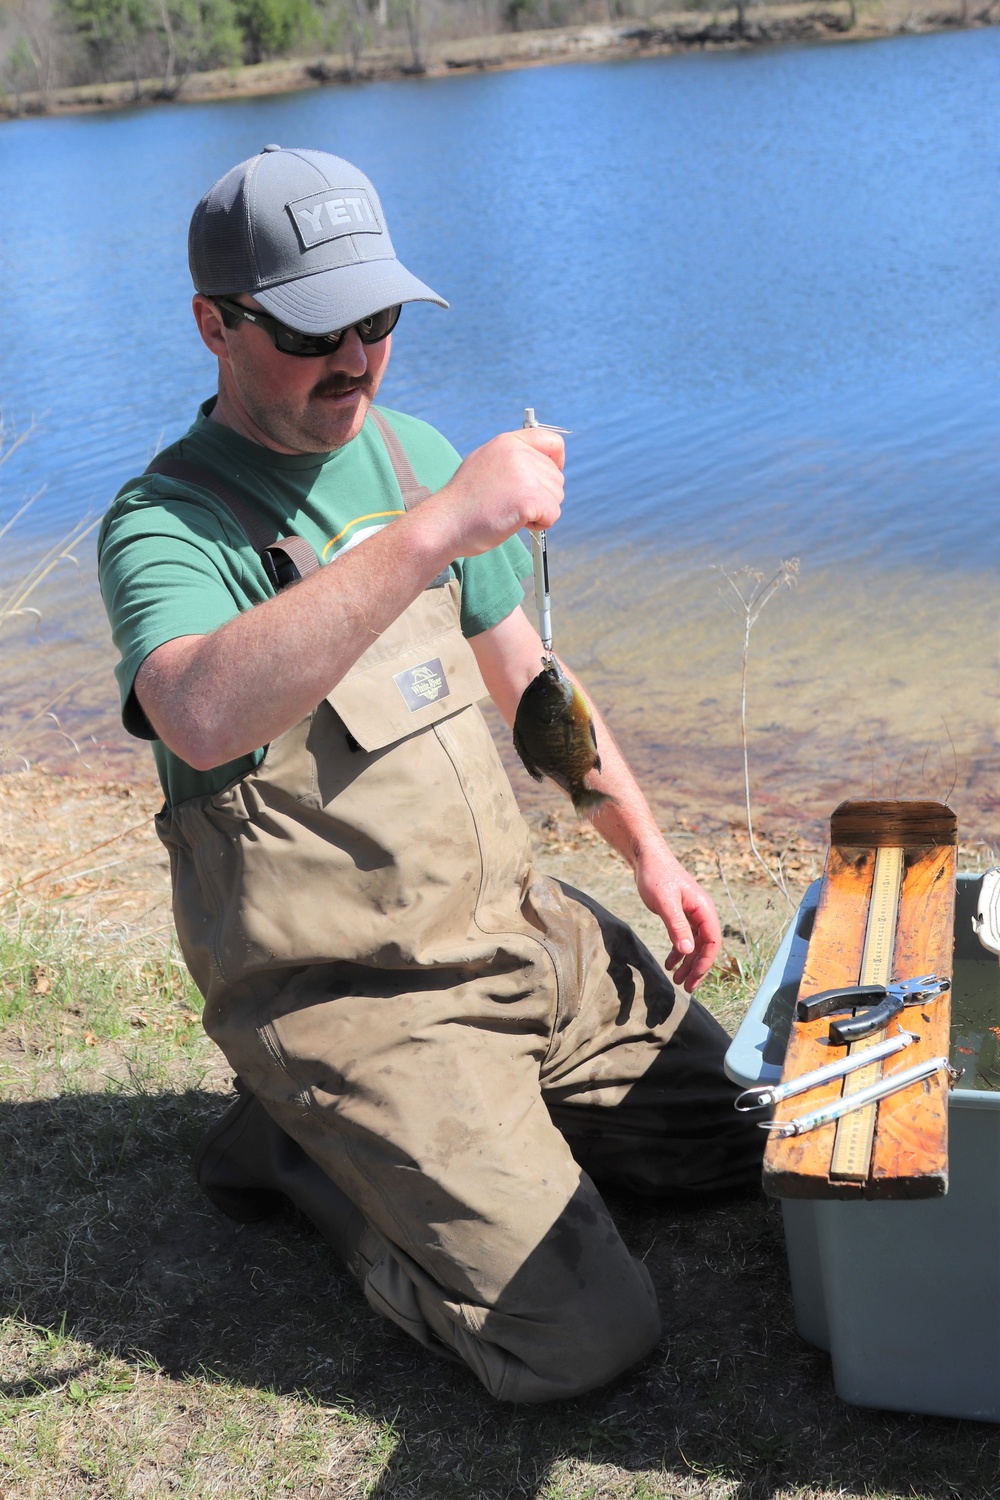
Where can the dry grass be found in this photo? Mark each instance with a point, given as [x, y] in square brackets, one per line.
[150, 1347]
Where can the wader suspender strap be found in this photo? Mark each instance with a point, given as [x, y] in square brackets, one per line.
[410, 487]
[285, 559]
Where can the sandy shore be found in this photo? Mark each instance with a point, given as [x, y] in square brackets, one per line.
[659, 35]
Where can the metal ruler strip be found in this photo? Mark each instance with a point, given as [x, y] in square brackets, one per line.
[852, 1149]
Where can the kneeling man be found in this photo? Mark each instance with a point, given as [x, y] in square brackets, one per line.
[439, 1051]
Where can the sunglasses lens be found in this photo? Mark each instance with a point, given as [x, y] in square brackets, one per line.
[290, 341]
[372, 330]
[312, 345]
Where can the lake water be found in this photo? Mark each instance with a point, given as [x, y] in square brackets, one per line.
[763, 290]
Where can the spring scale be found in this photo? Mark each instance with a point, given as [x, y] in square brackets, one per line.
[540, 554]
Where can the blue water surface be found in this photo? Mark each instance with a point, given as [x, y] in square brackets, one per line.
[761, 288]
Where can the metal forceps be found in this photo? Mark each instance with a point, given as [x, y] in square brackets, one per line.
[891, 1084]
[764, 1093]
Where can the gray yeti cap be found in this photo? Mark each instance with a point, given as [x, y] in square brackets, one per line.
[303, 232]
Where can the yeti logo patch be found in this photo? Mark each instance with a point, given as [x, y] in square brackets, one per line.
[328, 215]
[422, 685]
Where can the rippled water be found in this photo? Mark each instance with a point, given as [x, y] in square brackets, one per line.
[761, 288]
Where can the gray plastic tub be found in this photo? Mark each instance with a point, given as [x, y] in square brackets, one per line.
[905, 1296]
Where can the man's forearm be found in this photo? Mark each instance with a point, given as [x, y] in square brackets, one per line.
[626, 822]
[509, 657]
[665, 886]
[212, 698]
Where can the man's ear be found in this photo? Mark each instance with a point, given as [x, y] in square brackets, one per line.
[210, 324]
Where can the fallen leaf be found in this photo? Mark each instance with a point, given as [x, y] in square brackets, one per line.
[89, 1039]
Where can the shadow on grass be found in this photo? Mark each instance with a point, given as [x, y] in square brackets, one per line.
[104, 1234]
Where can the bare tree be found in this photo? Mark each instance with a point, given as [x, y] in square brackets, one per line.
[168, 86]
[32, 45]
[196, 34]
[413, 16]
[355, 19]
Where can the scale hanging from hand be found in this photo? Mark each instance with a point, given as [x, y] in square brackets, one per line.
[540, 554]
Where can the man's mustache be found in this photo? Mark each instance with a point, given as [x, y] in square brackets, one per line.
[338, 384]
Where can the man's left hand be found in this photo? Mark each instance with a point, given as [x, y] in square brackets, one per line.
[685, 910]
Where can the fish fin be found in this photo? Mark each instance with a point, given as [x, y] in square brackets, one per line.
[585, 801]
[525, 758]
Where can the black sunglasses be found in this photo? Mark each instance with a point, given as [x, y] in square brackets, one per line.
[309, 345]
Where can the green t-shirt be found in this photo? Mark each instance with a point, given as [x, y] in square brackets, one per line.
[173, 561]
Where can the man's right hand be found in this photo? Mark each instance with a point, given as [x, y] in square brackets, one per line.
[513, 481]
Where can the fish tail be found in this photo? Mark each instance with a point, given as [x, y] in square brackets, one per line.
[585, 801]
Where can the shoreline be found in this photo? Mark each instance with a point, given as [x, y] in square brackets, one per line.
[841, 675]
[662, 35]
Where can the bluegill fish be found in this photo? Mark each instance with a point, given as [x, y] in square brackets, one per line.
[554, 735]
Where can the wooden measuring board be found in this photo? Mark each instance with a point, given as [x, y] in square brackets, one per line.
[886, 911]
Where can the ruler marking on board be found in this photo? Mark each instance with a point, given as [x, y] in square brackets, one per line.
[852, 1149]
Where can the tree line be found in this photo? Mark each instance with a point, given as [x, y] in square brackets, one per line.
[47, 44]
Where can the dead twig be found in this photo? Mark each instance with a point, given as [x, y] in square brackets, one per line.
[10, 442]
[725, 887]
[14, 603]
[954, 761]
[753, 591]
[13, 890]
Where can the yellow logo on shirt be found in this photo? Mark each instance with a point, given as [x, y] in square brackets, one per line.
[375, 515]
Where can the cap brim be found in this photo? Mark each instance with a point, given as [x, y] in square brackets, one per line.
[344, 295]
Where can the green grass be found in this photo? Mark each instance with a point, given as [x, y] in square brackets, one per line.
[729, 987]
[150, 1347]
[75, 1004]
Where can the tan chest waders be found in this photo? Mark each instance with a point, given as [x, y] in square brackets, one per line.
[447, 1034]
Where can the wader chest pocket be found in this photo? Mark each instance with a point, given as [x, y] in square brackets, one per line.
[421, 669]
[388, 700]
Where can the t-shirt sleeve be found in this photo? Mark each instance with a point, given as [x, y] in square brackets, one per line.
[493, 583]
[159, 564]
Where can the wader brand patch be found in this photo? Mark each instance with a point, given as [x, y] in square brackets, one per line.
[422, 685]
[329, 215]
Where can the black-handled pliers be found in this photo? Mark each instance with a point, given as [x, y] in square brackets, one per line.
[878, 1003]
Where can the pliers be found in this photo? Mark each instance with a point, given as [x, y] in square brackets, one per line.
[878, 1002]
